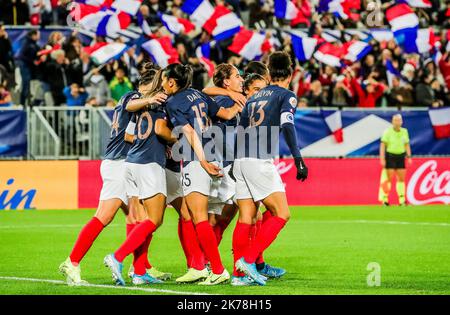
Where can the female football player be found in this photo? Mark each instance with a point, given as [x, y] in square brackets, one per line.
[256, 176]
[190, 111]
[145, 179]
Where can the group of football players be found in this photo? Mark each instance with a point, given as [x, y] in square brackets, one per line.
[159, 154]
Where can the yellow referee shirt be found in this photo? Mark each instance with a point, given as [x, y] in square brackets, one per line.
[395, 140]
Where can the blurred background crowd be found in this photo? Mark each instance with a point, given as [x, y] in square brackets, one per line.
[61, 70]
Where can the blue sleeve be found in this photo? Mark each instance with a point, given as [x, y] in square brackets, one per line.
[177, 117]
[223, 101]
[244, 121]
[213, 107]
[66, 92]
[288, 102]
[290, 136]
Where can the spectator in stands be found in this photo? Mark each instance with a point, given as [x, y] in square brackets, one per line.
[97, 86]
[440, 96]
[14, 12]
[425, 95]
[368, 92]
[315, 95]
[5, 97]
[6, 53]
[342, 95]
[56, 75]
[27, 60]
[120, 85]
[75, 95]
[400, 95]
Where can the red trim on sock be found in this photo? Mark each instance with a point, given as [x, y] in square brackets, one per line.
[130, 227]
[208, 243]
[265, 237]
[193, 251]
[260, 258]
[85, 239]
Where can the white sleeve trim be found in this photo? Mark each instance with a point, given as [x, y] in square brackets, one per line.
[286, 118]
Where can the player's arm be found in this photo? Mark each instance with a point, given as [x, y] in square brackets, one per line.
[137, 104]
[163, 131]
[216, 91]
[408, 149]
[196, 145]
[290, 135]
[230, 112]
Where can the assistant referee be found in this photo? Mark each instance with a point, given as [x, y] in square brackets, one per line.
[394, 147]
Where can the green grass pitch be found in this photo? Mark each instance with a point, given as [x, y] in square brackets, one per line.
[325, 250]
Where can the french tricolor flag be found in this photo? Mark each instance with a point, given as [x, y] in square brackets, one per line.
[249, 44]
[440, 119]
[203, 54]
[423, 43]
[102, 53]
[333, 119]
[285, 9]
[402, 18]
[303, 46]
[417, 3]
[329, 54]
[161, 51]
[340, 8]
[392, 72]
[219, 21]
[128, 6]
[356, 50]
[176, 25]
[102, 22]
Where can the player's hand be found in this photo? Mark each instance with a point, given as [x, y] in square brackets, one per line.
[383, 163]
[157, 99]
[302, 170]
[211, 169]
[238, 98]
[230, 172]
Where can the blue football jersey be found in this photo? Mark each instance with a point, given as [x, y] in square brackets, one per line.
[147, 146]
[117, 148]
[263, 115]
[191, 107]
[225, 151]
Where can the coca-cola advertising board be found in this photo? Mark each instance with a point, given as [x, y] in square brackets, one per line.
[355, 181]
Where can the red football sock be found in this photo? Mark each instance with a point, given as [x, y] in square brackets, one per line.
[194, 254]
[183, 246]
[130, 227]
[219, 229]
[241, 241]
[265, 237]
[266, 215]
[135, 239]
[208, 243]
[260, 258]
[140, 260]
[85, 240]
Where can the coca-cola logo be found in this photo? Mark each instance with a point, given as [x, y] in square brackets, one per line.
[427, 185]
[283, 167]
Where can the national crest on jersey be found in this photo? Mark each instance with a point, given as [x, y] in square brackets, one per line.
[117, 148]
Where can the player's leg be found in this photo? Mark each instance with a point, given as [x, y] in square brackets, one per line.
[391, 175]
[223, 221]
[196, 188]
[385, 188]
[400, 186]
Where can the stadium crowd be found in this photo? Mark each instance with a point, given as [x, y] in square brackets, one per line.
[63, 72]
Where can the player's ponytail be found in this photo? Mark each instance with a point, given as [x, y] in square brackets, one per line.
[182, 75]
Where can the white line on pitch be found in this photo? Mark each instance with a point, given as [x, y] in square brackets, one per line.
[379, 222]
[103, 286]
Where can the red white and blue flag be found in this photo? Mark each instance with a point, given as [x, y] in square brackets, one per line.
[249, 44]
[102, 22]
[303, 46]
[333, 119]
[440, 119]
[423, 43]
[220, 22]
[340, 8]
[355, 50]
[203, 54]
[286, 9]
[128, 6]
[329, 54]
[417, 3]
[392, 72]
[176, 25]
[401, 17]
[161, 51]
[102, 53]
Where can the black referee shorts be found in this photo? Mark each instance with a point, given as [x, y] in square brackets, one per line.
[395, 161]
